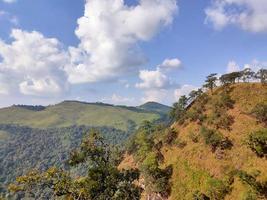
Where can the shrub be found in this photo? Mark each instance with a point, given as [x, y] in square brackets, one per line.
[194, 137]
[196, 114]
[217, 189]
[180, 144]
[249, 195]
[257, 141]
[200, 196]
[251, 179]
[170, 136]
[260, 112]
[211, 137]
[226, 144]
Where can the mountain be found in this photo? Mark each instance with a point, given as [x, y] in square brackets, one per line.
[70, 113]
[40, 137]
[216, 148]
[155, 107]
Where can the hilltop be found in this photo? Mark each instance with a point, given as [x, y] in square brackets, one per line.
[156, 107]
[210, 147]
[70, 113]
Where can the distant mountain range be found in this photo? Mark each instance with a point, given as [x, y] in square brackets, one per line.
[70, 113]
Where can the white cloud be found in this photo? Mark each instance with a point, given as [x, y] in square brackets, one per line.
[157, 84]
[109, 32]
[184, 90]
[232, 67]
[9, 1]
[117, 99]
[9, 17]
[33, 64]
[153, 80]
[157, 95]
[250, 15]
[171, 63]
[255, 65]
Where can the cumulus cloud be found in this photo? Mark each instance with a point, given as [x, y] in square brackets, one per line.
[109, 33]
[250, 15]
[255, 65]
[184, 90]
[232, 67]
[33, 64]
[171, 63]
[157, 84]
[153, 80]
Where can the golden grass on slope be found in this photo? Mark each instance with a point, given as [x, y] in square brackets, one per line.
[201, 163]
[128, 163]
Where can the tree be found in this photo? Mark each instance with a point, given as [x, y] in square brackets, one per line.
[210, 82]
[262, 75]
[260, 112]
[230, 78]
[179, 108]
[247, 74]
[103, 181]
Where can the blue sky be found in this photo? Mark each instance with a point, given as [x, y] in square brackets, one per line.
[124, 52]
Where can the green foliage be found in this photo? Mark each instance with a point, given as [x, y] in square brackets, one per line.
[194, 137]
[196, 114]
[69, 113]
[217, 189]
[156, 107]
[211, 137]
[200, 196]
[220, 105]
[210, 81]
[147, 153]
[27, 148]
[257, 141]
[250, 195]
[103, 180]
[260, 188]
[178, 110]
[230, 78]
[260, 112]
[169, 136]
[262, 75]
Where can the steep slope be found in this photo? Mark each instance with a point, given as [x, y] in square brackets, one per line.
[210, 155]
[70, 113]
[196, 166]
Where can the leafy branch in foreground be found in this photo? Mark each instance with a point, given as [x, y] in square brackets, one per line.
[103, 181]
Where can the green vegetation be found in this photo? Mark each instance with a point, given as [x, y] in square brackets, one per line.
[257, 141]
[211, 137]
[168, 161]
[26, 148]
[147, 154]
[260, 111]
[103, 180]
[156, 107]
[70, 113]
[211, 82]
[259, 189]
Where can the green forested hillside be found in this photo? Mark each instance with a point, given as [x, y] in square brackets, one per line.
[156, 107]
[40, 137]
